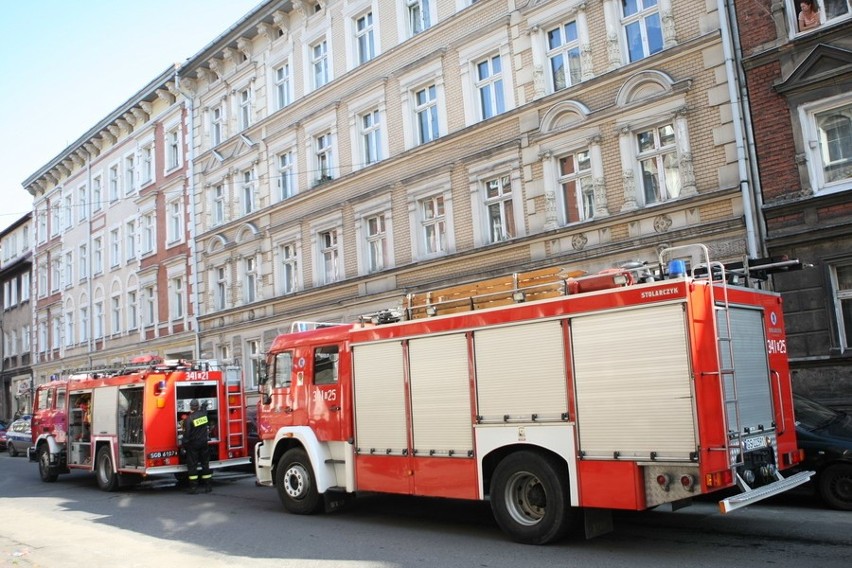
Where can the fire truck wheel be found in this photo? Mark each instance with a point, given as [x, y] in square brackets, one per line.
[835, 486]
[294, 480]
[47, 473]
[529, 498]
[107, 477]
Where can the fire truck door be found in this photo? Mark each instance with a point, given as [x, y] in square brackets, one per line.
[286, 393]
[326, 404]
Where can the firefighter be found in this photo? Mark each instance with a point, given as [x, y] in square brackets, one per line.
[194, 440]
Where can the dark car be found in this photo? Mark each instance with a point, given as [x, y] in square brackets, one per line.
[826, 437]
[2, 435]
[19, 436]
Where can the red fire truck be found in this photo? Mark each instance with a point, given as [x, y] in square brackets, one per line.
[124, 423]
[618, 390]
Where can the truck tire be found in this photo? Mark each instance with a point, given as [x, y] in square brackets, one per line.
[104, 472]
[835, 486]
[295, 483]
[47, 473]
[529, 498]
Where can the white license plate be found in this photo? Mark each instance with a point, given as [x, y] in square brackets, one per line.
[755, 443]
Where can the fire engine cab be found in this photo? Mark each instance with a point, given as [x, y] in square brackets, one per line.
[558, 399]
[125, 423]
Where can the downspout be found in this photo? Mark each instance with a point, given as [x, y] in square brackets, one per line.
[190, 170]
[748, 190]
[89, 254]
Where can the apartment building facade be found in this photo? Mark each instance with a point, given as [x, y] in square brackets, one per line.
[799, 78]
[112, 261]
[16, 318]
[349, 152]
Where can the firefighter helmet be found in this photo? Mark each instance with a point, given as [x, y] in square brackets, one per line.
[193, 404]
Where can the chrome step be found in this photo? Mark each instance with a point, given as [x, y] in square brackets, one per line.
[753, 495]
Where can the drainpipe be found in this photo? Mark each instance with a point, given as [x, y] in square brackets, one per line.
[89, 257]
[738, 105]
[192, 220]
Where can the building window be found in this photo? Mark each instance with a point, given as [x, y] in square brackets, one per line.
[841, 276]
[129, 175]
[218, 204]
[149, 233]
[364, 37]
[216, 125]
[173, 149]
[245, 109]
[115, 324]
[319, 63]
[419, 17]
[377, 243]
[253, 359]
[322, 149]
[56, 333]
[68, 273]
[98, 255]
[282, 86]
[250, 279]
[286, 177]
[175, 223]
[289, 268]
[68, 210]
[99, 320]
[132, 311]
[82, 202]
[221, 291]
[130, 240]
[498, 204]
[25, 287]
[25, 339]
[83, 265]
[489, 85]
[830, 145]
[114, 248]
[658, 164]
[69, 328]
[150, 305]
[248, 192]
[426, 110]
[97, 194]
[641, 24]
[371, 137]
[433, 225]
[330, 256]
[113, 184]
[147, 163]
[809, 16]
[177, 300]
[563, 53]
[575, 180]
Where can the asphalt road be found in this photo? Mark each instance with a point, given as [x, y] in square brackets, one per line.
[72, 523]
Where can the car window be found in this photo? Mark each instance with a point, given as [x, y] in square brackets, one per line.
[811, 415]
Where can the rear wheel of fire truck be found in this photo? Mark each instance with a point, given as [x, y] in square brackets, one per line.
[529, 498]
[294, 480]
[107, 477]
[835, 486]
[46, 472]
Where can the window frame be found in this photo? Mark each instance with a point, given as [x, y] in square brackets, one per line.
[640, 17]
[814, 144]
[841, 299]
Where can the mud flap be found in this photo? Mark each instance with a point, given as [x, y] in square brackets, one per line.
[598, 522]
[336, 500]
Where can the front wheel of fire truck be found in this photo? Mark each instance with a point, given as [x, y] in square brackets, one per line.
[107, 477]
[295, 483]
[835, 486]
[48, 474]
[529, 498]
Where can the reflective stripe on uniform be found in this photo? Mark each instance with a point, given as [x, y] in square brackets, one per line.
[200, 421]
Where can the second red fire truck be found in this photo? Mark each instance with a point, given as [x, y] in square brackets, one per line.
[576, 397]
[124, 424]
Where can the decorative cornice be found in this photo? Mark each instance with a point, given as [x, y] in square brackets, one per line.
[244, 46]
[114, 132]
[164, 95]
[215, 65]
[147, 107]
[232, 55]
[140, 115]
[267, 30]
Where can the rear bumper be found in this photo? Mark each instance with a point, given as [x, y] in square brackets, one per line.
[750, 496]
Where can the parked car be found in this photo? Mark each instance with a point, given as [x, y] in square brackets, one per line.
[826, 437]
[19, 436]
[2, 435]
